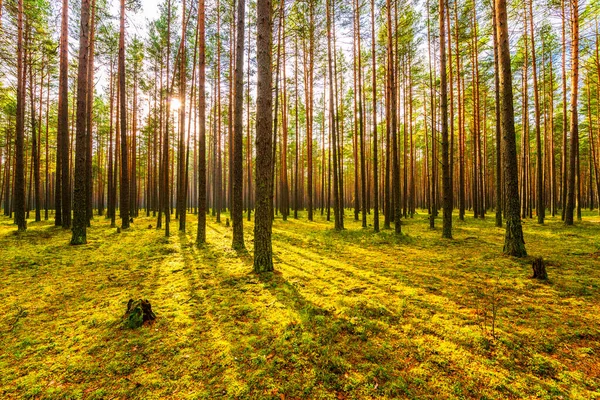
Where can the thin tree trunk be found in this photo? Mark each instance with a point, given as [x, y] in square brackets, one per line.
[574, 126]
[237, 174]
[201, 235]
[19, 190]
[375, 163]
[446, 186]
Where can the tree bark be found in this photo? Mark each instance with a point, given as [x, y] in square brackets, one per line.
[263, 252]
[514, 244]
[80, 220]
[124, 195]
[201, 234]
[446, 186]
[237, 175]
[19, 191]
[574, 125]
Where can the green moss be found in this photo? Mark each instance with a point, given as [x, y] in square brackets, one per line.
[346, 314]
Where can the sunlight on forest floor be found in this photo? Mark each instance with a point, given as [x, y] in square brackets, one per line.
[348, 314]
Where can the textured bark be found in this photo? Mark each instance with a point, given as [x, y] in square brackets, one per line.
[35, 138]
[539, 269]
[433, 166]
[446, 185]
[540, 204]
[375, 162]
[201, 234]
[461, 131]
[564, 149]
[89, 186]
[124, 195]
[309, 108]
[165, 198]
[514, 244]
[237, 174]
[263, 252]
[63, 186]
[284, 196]
[574, 125]
[80, 220]
[19, 191]
[498, 128]
[391, 75]
[333, 123]
[181, 148]
[361, 126]
[110, 212]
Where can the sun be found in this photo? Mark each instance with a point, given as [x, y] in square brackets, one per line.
[175, 104]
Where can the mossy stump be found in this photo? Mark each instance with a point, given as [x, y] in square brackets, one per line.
[138, 312]
[539, 269]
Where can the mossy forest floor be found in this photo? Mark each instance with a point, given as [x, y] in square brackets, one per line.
[347, 315]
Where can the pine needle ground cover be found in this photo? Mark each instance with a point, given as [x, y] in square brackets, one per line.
[349, 314]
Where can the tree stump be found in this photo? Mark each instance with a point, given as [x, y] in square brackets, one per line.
[138, 312]
[539, 269]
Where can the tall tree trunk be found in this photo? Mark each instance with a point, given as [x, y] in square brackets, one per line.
[63, 186]
[181, 163]
[574, 125]
[446, 185]
[309, 107]
[564, 149]
[89, 115]
[80, 219]
[391, 75]
[124, 198]
[540, 204]
[263, 251]
[248, 136]
[433, 165]
[333, 123]
[201, 236]
[461, 129]
[375, 162]
[237, 174]
[361, 129]
[35, 138]
[498, 127]
[514, 243]
[19, 191]
[297, 132]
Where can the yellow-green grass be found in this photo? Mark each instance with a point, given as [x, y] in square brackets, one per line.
[350, 314]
